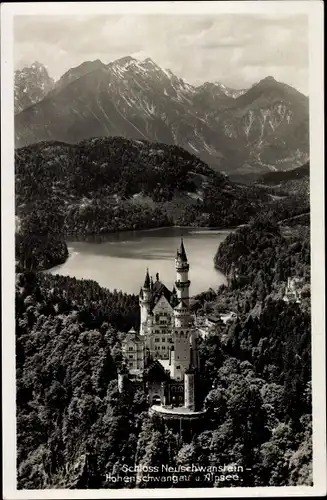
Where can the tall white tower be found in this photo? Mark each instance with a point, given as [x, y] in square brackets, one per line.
[182, 282]
[145, 302]
[185, 352]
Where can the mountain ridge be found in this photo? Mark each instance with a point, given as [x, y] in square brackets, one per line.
[259, 129]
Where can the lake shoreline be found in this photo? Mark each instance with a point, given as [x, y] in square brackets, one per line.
[120, 261]
[108, 236]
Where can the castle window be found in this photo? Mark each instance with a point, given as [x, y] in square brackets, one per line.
[157, 318]
[131, 364]
[163, 347]
[131, 348]
[163, 339]
[178, 367]
[157, 339]
[130, 356]
[157, 331]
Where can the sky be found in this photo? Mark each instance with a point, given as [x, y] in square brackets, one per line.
[236, 50]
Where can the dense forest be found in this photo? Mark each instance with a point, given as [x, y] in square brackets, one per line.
[104, 185]
[265, 251]
[74, 428]
[255, 370]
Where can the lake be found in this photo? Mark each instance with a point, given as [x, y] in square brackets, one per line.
[120, 262]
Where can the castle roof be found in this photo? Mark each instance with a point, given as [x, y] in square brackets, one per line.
[166, 366]
[181, 305]
[158, 290]
[132, 337]
[156, 372]
[147, 279]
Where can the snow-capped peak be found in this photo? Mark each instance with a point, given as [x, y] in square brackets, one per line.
[148, 60]
[229, 92]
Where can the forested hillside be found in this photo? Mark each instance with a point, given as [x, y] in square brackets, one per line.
[112, 184]
[73, 427]
[267, 250]
[255, 370]
[294, 183]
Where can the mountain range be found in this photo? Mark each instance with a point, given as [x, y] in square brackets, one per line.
[264, 128]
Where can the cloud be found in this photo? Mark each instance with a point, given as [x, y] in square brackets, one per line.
[237, 50]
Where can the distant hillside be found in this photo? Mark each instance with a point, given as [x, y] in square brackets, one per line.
[275, 178]
[248, 131]
[294, 182]
[111, 184]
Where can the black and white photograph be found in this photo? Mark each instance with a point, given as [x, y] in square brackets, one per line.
[165, 293]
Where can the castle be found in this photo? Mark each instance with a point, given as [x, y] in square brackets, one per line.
[164, 354]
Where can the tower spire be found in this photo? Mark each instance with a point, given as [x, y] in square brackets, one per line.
[182, 282]
[145, 301]
[147, 279]
[181, 251]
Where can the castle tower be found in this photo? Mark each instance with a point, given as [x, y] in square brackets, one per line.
[145, 301]
[182, 335]
[122, 379]
[189, 390]
[182, 282]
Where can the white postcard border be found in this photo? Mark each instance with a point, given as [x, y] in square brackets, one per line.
[314, 10]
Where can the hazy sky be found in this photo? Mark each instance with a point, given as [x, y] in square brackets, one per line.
[237, 50]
